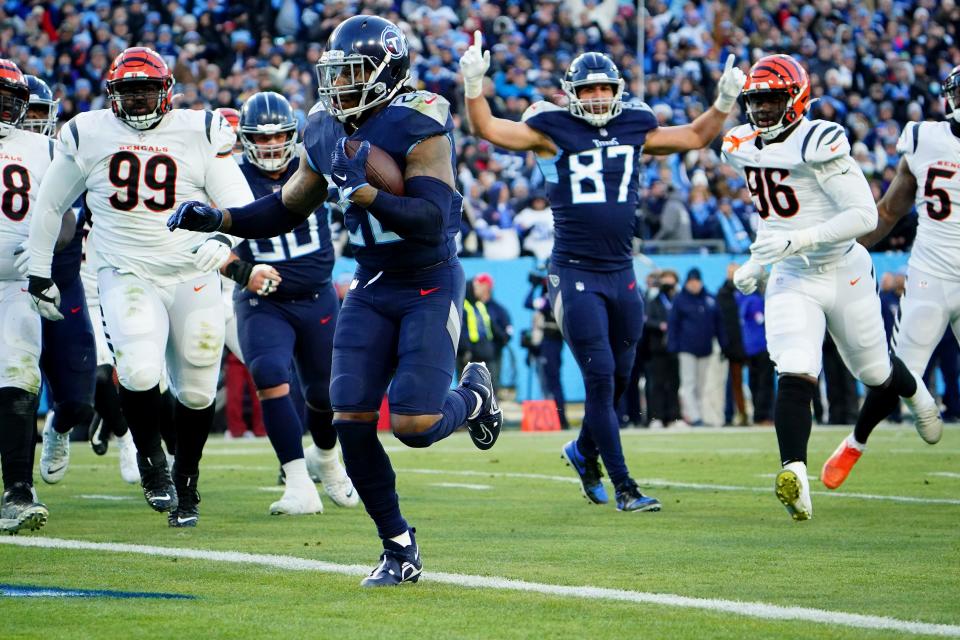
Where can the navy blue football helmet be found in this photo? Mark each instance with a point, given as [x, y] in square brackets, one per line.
[268, 113]
[365, 64]
[589, 69]
[951, 92]
[41, 97]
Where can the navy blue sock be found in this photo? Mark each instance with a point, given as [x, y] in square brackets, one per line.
[604, 426]
[455, 410]
[320, 425]
[585, 443]
[369, 468]
[283, 427]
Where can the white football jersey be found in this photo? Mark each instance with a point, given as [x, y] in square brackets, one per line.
[785, 179]
[24, 158]
[136, 179]
[933, 154]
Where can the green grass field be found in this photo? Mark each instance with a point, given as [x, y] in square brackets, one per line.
[513, 513]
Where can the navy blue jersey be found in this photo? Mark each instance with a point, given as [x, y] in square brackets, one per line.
[409, 119]
[65, 267]
[304, 257]
[593, 183]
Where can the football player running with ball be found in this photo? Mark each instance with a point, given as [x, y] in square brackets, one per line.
[931, 301]
[590, 155]
[159, 291]
[400, 322]
[813, 201]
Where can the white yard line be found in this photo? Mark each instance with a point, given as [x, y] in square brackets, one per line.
[660, 482]
[291, 563]
[98, 496]
[459, 485]
[944, 474]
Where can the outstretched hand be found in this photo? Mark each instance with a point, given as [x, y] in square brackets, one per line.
[730, 85]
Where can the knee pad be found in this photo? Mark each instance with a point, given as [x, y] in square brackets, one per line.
[348, 392]
[416, 440]
[203, 344]
[269, 372]
[139, 365]
[797, 361]
[317, 396]
[73, 413]
[193, 399]
[874, 375]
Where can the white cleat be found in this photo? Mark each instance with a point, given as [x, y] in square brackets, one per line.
[55, 455]
[129, 470]
[926, 413]
[298, 502]
[793, 490]
[326, 467]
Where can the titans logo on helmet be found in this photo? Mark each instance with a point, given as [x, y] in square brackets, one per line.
[393, 42]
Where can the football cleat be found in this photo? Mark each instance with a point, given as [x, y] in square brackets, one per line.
[328, 468]
[397, 564]
[20, 510]
[186, 513]
[839, 465]
[589, 471]
[298, 501]
[128, 459]
[99, 436]
[926, 413]
[55, 455]
[629, 498]
[793, 490]
[158, 488]
[485, 426]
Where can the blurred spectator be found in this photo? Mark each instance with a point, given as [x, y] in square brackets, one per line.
[544, 343]
[733, 350]
[663, 366]
[535, 225]
[694, 325]
[500, 323]
[945, 357]
[842, 399]
[755, 348]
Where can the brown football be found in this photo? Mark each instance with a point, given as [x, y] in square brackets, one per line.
[382, 172]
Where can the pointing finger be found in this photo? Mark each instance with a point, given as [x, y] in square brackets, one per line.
[477, 39]
[730, 60]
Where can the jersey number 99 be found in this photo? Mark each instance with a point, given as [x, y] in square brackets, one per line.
[159, 176]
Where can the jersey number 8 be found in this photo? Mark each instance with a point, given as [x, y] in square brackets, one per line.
[16, 192]
[587, 167]
[125, 174]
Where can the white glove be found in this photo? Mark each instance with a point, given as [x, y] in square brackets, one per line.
[263, 279]
[729, 87]
[748, 277]
[212, 254]
[473, 65]
[774, 246]
[22, 259]
[46, 297]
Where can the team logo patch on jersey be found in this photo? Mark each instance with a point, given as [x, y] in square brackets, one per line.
[393, 42]
[554, 281]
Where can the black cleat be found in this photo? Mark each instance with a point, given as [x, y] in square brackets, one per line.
[186, 514]
[155, 479]
[99, 436]
[19, 510]
[629, 498]
[397, 564]
[485, 427]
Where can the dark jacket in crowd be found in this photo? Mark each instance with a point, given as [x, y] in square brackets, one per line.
[694, 323]
[730, 319]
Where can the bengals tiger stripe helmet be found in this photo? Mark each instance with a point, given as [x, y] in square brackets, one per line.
[140, 87]
[14, 97]
[232, 116]
[777, 94]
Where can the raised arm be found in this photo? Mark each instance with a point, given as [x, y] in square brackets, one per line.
[707, 126]
[515, 136]
[894, 205]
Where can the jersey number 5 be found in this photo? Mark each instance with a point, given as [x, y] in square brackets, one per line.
[768, 191]
[931, 193]
[124, 171]
[587, 167]
[16, 192]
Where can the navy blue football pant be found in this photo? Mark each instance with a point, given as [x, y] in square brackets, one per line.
[69, 359]
[601, 315]
[276, 332]
[397, 334]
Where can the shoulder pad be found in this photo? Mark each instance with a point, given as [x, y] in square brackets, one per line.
[638, 106]
[68, 140]
[909, 138]
[739, 136]
[543, 106]
[824, 141]
[432, 105]
[219, 134]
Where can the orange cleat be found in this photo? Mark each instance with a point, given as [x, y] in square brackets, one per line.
[838, 466]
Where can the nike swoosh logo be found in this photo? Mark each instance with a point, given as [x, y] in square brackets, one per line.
[836, 146]
[431, 100]
[325, 320]
[165, 496]
[339, 177]
[23, 290]
[426, 292]
[487, 436]
[188, 519]
[75, 309]
[198, 288]
[853, 282]
[53, 470]
[632, 285]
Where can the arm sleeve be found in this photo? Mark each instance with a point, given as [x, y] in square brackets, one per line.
[418, 216]
[845, 184]
[62, 184]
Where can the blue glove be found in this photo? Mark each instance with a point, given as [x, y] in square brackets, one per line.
[349, 174]
[195, 216]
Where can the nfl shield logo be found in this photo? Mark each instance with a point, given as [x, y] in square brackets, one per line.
[554, 281]
[394, 43]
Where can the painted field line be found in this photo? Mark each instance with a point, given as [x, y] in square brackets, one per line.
[100, 496]
[944, 474]
[459, 485]
[292, 563]
[660, 482]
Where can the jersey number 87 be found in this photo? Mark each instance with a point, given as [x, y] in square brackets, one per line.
[587, 167]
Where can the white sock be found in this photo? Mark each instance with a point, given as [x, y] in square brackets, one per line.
[327, 455]
[403, 539]
[852, 441]
[476, 411]
[797, 467]
[296, 473]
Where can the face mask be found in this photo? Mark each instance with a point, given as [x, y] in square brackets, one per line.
[666, 287]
